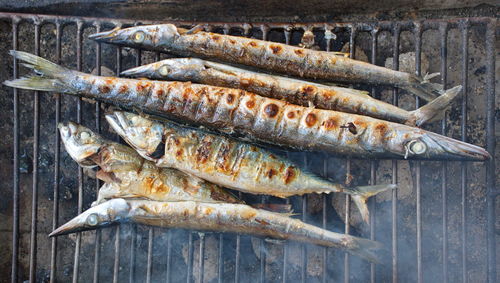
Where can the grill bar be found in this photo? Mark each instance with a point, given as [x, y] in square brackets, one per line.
[463, 166]
[15, 177]
[443, 29]
[98, 236]
[57, 159]
[394, 208]
[36, 141]
[418, 58]
[395, 28]
[373, 177]
[492, 191]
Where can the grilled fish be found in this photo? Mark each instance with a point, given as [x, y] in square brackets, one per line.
[227, 162]
[220, 217]
[292, 90]
[128, 175]
[277, 57]
[259, 118]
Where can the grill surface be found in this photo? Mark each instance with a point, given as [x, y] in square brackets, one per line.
[439, 225]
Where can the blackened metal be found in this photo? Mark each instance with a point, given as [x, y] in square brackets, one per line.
[36, 137]
[76, 264]
[396, 35]
[492, 191]
[352, 42]
[443, 29]
[169, 255]
[97, 242]
[15, 177]
[463, 165]
[57, 158]
[418, 56]
[116, 264]
[133, 236]
[220, 261]
[373, 180]
[201, 255]
[149, 267]
[189, 275]
[237, 262]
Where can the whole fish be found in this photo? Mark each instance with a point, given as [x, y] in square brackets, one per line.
[272, 56]
[292, 90]
[219, 217]
[255, 117]
[227, 162]
[128, 175]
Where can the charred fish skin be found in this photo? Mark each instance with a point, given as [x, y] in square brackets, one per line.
[219, 217]
[278, 57]
[292, 90]
[128, 175]
[255, 117]
[227, 162]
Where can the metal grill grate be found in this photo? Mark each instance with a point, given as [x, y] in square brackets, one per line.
[132, 259]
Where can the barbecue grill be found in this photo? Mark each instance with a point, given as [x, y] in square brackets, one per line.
[439, 226]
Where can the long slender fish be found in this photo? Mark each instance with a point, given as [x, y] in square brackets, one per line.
[252, 116]
[227, 162]
[278, 57]
[128, 175]
[292, 90]
[220, 217]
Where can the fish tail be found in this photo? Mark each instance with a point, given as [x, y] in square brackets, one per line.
[49, 77]
[423, 88]
[361, 194]
[366, 249]
[435, 109]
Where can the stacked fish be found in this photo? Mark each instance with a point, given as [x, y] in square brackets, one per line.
[174, 173]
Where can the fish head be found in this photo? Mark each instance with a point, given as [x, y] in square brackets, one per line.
[144, 135]
[428, 145]
[182, 69]
[80, 142]
[104, 214]
[149, 36]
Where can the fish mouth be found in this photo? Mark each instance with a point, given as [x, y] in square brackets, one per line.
[145, 70]
[106, 36]
[451, 149]
[73, 227]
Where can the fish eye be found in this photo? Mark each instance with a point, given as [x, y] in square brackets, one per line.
[84, 135]
[92, 219]
[417, 147]
[139, 37]
[164, 70]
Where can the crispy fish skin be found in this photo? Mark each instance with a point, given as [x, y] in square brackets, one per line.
[128, 175]
[253, 116]
[277, 57]
[220, 217]
[292, 90]
[227, 162]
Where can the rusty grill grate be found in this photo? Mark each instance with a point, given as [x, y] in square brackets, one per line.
[440, 251]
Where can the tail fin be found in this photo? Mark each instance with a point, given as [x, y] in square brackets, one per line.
[50, 74]
[423, 88]
[366, 249]
[435, 109]
[361, 194]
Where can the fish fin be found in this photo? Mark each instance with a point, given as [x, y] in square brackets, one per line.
[36, 83]
[274, 207]
[49, 74]
[423, 88]
[275, 241]
[39, 65]
[195, 29]
[365, 248]
[361, 194]
[108, 177]
[435, 109]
